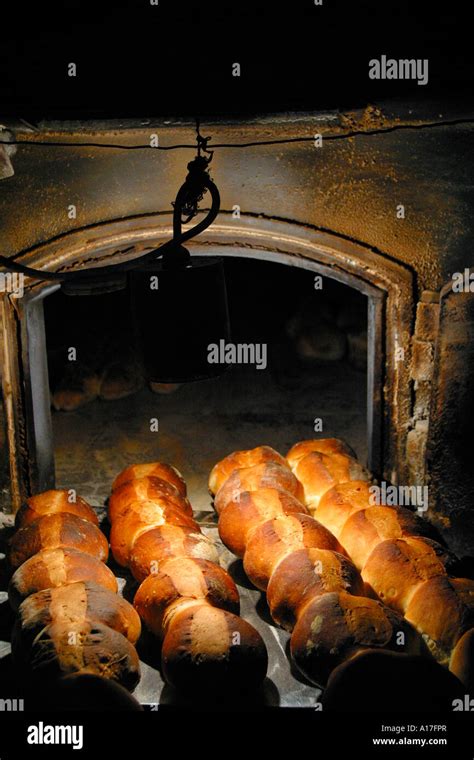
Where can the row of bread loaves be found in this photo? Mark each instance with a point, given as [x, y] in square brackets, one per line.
[313, 589]
[185, 598]
[403, 565]
[70, 620]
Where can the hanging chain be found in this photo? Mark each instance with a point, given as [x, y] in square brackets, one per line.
[194, 185]
[202, 142]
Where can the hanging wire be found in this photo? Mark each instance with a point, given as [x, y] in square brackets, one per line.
[186, 207]
[254, 143]
[189, 195]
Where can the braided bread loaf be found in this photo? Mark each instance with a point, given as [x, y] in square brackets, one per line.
[58, 501]
[404, 566]
[312, 588]
[165, 472]
[255, 477]
[154, 546]
[321, 464]
[146, 489]
[70, 619]
[56, 531]
[240, 460]
[185, 598]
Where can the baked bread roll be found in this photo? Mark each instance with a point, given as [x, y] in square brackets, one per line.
[83, 647]
[462, 660]
[305, 574]
[72, 603]
[320, 445]
[383, 681]
[168, 541]
[266, 475]
[145, 489]
[396, 568]
[239, 460]
[337, 504]
[336, 626]
[442, 609]
[319, 472]
[154, 469]
[273, 540]
[366, 528]
[249, 509]
[57, 531]
[55, 567]
[208, 650]
[187, 578]
[51, 502]
[140, 517]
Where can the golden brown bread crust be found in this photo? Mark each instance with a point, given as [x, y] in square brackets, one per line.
[209, 650]
[337, 504]
[273, 540]
[168, 541]
[50, 502]
[55, 531]
[462, 660]
[305, 574]
[145, 489]
[319, 472]
[366, 528]
[336, 626]
[266, 475]
[55, 567]
[154, 469]
[241, 459]
[396, 568]
[140, 517]
[184, 578]
[176, 601]
[72, 603]
[249, 509]
[442, 609]
[85, 647]
[320, 445]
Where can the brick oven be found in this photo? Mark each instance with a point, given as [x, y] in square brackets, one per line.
[365, 211]
[383, 207]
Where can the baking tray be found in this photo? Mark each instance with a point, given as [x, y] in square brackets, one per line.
[282, 687]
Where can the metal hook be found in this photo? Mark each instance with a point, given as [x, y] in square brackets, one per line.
[191, 192]
[201, 142]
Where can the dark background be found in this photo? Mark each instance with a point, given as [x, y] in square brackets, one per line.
[138, 60]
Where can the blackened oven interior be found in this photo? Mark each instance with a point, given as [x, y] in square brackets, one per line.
[310, 380]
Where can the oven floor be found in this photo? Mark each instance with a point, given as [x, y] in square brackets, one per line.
[203, 421]
[198, 425]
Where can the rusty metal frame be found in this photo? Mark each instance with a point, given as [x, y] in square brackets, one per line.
[387, 285]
